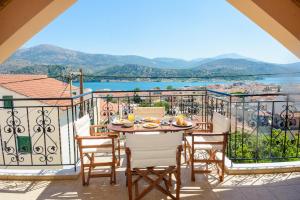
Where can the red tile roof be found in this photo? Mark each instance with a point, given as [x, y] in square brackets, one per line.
[37, 86]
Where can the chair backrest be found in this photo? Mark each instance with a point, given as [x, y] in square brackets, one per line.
[221, 123]
[153, 150]
[157, 112]
[82, 126]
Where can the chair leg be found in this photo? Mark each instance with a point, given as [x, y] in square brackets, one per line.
[126, 179]
[170, 179]
[113, 170]
[114, 174]
[90, 168]
[189, 151]
[177, 191]
[192, 166]
[129, 185]
[185, 156]
[178, 183]
[119, 153]
[82, 169]
[178, 173]
[222, 171]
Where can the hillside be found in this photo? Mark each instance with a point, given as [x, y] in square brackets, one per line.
[223, 67]
[52, 55]
[54, 60]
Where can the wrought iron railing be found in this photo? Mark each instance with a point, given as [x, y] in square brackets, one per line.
[34, 132]
[265, 129]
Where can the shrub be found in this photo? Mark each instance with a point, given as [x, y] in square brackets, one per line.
[162, 104]
[264, 147]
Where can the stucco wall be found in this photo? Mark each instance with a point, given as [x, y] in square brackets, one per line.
[28, 119]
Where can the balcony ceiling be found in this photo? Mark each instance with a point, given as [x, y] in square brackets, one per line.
[31, 17]
[280, 18]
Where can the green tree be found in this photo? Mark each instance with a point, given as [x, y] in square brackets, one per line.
[162, 104]
[109, 98]
[136, 98]
[170, 87]
[144, 104]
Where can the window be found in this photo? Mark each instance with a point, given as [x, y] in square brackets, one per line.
[8, 102]
[24, 144]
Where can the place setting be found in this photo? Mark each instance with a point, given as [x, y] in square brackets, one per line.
[138, 124]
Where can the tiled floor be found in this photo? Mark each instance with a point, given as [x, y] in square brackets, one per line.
[242, 187]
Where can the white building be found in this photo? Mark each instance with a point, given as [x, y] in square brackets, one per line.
[35, 131]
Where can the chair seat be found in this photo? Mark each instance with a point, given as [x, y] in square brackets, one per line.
[93, 142]
[199, 146]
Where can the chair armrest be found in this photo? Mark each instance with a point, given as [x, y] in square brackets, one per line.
[92, 129]
[96, 137]
[105, 134]
[203, 127]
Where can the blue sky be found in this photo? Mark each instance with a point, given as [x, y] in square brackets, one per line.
[185, 29]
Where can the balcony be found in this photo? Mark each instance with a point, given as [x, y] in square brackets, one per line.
[38, 138]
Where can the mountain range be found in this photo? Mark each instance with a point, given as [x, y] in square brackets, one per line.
[43, 58]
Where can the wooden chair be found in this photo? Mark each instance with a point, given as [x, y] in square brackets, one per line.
[158, 112]
[209, 140]
[90, 144]
[154, 159]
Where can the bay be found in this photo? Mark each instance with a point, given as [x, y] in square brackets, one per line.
[146, 85]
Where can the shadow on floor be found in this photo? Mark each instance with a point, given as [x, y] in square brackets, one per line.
[242, 187]
[283, 186]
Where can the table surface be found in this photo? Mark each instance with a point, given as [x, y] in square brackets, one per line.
[140, 128]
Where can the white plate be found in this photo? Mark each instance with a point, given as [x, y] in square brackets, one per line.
[188, 124]
[153, 125]
[149, 119]
[119, 122]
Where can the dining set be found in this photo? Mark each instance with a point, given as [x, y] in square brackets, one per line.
[154, 145]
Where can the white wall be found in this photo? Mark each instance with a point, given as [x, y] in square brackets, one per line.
[29, 115]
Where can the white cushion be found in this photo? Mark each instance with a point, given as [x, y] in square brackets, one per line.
[199, 146]
[221, 123]
[92, 142]
[153, 150]
[82, 126]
